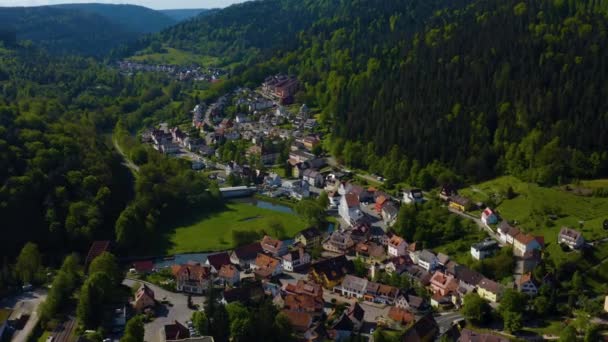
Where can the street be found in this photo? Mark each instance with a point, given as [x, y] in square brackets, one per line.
[446, 319]
[177, 311]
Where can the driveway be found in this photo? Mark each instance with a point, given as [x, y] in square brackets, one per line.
[25, 304]
[178, 311]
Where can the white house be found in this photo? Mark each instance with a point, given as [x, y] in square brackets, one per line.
[352, 287]
[570, 237]
[396, 246]
[527, 285]
[413, 196]
[523, 243]
[349, 208]
[427, 260]
[483, 249]
[488, 216]
[507, 233]
[295, 259]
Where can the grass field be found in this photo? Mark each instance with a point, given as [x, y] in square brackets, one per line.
[176, 57]
[212, 233]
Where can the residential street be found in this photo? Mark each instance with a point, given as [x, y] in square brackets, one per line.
[25, 304]
[177, 311]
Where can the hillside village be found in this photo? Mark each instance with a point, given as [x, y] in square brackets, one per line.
[401, 286]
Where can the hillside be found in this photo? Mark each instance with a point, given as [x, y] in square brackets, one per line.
[185, 14]
[86, 29]
[482, 87]
[132, 18]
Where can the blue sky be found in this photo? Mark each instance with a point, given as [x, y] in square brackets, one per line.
[156, 4]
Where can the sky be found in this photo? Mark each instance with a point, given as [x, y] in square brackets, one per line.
[155, 4]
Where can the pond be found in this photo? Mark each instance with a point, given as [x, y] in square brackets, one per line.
[265, 205]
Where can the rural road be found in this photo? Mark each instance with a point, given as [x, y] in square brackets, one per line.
[127, 161]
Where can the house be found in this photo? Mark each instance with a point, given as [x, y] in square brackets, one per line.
[527, 285]
[143, 266]
[349, 208]
[443, 284]
[467, 278]
[380, 293]
[447, 191]
[192, 278]
[360, 231]
[341, 329]
[311, 141]
[605, 307]
[410, 302]
[489, 217]
[484, 249]
[274, 247]
[460, 203]
[489, 290]
[330, 272]
[380, 202]
[314, 178]
[424, 330]
[334, 199]
[443, 259]
[370, 252]
[144, 299]
[401, 316]
[247, 293]
[377, 234]
[338, 242]
[301, 322]
[427, 260]
[397, 264]
[571, 238]
[309, 237]
[244, 256]
[467, 335]
[304, 303]
[266, 266]
[352, 287]
[229, 275]
[174, 332]
[507, 233]
[396, 246]
[389, 213]
[295, 259]
[356, 314]
[523, 243]
[216, 261]
[304, 287]
[413, 196]
[96, 249]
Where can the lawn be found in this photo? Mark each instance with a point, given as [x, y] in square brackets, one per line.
[214, 232]
[45, 335]
[176, 57]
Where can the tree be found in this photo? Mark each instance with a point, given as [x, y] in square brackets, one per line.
[577, 282]
[134, 330]
[568, 334]
[407, 222]
[311, 212]
[107, 263]
[592, 333]
[316, 251]
[360, 267]
[277, 228]
[95, 292]
[511, 308]
[220, 324]
[512, 321]
[475, 309]
[200, 322]
[323, 199]
[29, 263]
[284, 330]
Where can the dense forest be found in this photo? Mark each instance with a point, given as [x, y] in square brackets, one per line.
[83, 29]
[480, 87]
[62, 185]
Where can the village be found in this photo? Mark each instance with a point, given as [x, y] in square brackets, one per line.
[403, 286]
[180, 73]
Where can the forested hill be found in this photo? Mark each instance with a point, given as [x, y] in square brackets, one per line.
[132, 18]
[85, 29]
[485, 87]
[185, 14]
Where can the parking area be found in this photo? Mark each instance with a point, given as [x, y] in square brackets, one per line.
[176, 310]
[24, 307]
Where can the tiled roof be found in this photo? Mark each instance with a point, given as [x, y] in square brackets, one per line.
[218, 260]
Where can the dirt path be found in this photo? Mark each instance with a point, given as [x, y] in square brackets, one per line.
[127, 162]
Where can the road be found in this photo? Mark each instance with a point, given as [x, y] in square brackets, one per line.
[127, 161]
[178, 311]
[446, 319]
[25, 304]
[479, 223]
